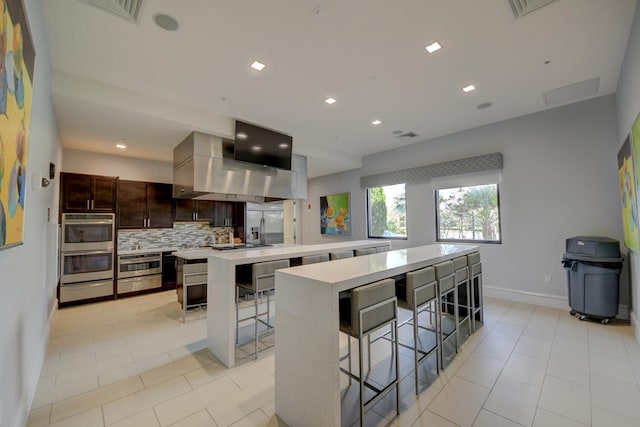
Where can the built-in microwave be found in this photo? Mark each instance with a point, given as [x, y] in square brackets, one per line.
[85, 266]
[87, 232]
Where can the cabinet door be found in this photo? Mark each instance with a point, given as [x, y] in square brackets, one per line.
[219, 214]
[204, 210]
[132, 204]
[103, 194]
[238, 214]
[76, 192]
[159, 205]
[184, 210]
[169, 274]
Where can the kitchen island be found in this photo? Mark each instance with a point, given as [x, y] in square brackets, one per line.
[307, 326]
[221, 283]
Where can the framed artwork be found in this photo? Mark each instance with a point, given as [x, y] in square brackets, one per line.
[17, 60]
[335, 214]
[628, 196]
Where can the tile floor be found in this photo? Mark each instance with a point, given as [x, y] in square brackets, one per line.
[132, 362]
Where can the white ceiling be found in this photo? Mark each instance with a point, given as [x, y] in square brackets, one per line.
[114, 79]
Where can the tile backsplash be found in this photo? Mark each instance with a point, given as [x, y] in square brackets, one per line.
[182, 235]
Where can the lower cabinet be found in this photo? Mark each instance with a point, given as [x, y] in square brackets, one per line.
[169, 271]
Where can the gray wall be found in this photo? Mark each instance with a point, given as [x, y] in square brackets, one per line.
[27, 283]
[559, 180]
[112, 165]
[628, 106]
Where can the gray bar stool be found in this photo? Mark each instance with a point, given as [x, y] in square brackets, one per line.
[313, 259]
[419, 295]
[368, 309]
[341, 255]
[464, 294]
[475, 277]
[445, 276]
[262, 279]
[365, 251]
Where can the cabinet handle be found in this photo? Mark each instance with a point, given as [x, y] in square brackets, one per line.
[196, 216]
[88, 208]
[93, 204]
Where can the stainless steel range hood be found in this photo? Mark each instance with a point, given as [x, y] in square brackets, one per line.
[204, 168]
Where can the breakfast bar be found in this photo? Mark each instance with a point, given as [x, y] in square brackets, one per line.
[221, 284]
[307, 383]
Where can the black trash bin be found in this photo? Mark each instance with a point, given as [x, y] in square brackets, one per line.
[593, 267]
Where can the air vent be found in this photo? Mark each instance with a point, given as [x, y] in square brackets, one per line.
[408, 135]
[128, 9]
[572, 92]
[522, 7]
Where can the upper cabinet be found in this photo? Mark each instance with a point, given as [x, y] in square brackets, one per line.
[228, 214]
[144, 205]
[194, 210]
[87, 193]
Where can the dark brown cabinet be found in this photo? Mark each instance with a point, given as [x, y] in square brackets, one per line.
[87, 193]
[228, 214]
[194, 210]
[169, 270]
[144, 205]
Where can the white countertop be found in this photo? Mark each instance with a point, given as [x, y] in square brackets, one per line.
[147, 250]
[283, 250]
[387, 263]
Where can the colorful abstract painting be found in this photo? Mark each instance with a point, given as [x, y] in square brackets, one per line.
[335, 215]
[17, 59]
[628, 197]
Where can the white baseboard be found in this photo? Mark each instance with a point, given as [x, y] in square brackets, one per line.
[32, 381]
[545, 300]
[635, 324]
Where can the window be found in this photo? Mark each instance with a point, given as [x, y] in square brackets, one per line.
[387, 212]
[468, 214]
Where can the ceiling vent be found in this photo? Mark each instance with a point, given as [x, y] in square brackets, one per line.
[522, 7]
[128, 9]
[572, 92]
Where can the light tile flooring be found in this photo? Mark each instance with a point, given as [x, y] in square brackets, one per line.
[132, 362]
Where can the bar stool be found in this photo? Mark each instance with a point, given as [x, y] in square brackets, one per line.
[262, 279]
[445, 276]
[464, 294]
[419, 294]
[475, 277]
[313, 259]
[192, 275]
[365, 251]
[368, 309]
[341, 255]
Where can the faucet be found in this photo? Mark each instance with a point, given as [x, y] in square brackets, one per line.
[262, 236]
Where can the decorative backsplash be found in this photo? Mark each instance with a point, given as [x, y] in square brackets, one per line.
[182, 235]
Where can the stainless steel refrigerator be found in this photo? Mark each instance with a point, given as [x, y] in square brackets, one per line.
[265, 223]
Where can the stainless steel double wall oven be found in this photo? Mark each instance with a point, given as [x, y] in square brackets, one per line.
[86, 256]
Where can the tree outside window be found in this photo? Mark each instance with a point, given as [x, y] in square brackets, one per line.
[470, 214]
[387, 211]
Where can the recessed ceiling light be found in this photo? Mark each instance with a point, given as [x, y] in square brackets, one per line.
[376, 122]
[165, 22]
[484, 105]
[258, 66]
[469, 88]
[121, 146]
[330, 101]
[433, 47]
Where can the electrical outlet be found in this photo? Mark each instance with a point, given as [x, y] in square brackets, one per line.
[547, 278]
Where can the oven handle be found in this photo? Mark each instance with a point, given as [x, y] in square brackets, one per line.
[89, 222]
[75, 253]
[138, 261]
